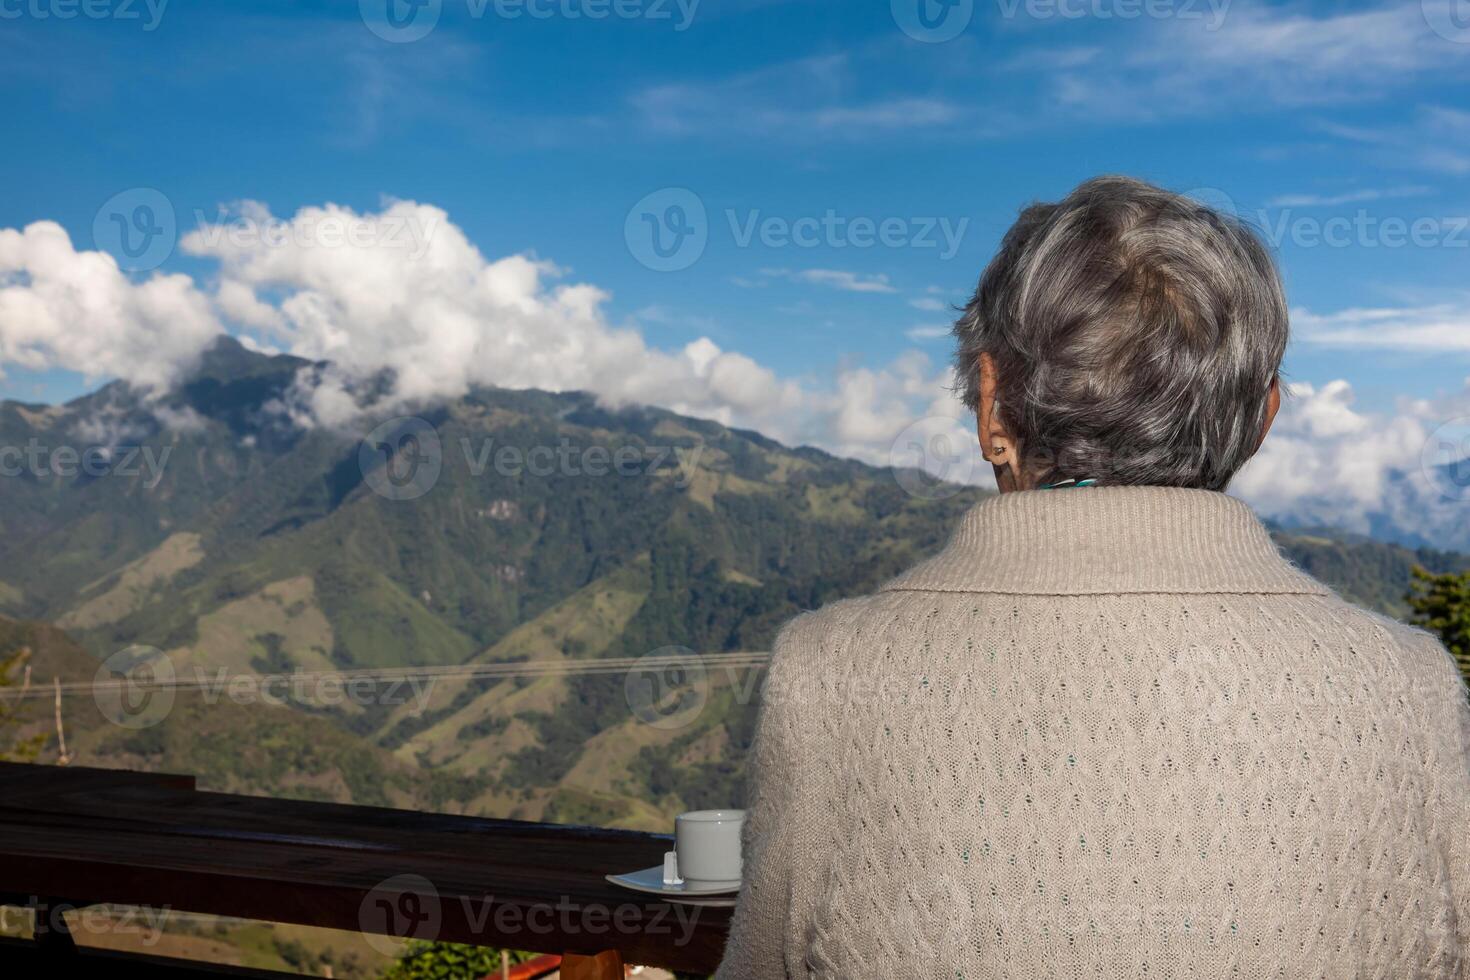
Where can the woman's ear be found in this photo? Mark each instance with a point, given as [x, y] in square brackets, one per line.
[1273, 405]
[996, 443]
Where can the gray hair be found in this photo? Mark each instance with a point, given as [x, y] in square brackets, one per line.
[1136, 333]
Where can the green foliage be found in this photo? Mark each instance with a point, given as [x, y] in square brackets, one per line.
[304, 959]
[1371, 573]
[430, 717]
[583, 809]
[14, 749]
[449, 961]
[493, 725]
[707, 785]
[1442, 603]
[276, 659]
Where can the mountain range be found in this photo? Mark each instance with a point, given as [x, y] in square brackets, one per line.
[503, 558]
[1423, 508]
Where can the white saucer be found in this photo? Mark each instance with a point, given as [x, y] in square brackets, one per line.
[718, 902]
[650, 881]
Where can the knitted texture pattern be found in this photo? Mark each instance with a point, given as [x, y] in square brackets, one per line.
[1106, 733]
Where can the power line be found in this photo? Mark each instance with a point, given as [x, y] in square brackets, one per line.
[516, 669]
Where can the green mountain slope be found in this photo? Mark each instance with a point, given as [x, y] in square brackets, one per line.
[258, 549]
[1371, 573]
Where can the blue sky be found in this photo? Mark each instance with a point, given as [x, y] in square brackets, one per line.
[536, 135]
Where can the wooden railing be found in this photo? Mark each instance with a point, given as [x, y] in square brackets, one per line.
[71, 838]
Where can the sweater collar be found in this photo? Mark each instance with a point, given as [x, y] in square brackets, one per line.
[1106, 540]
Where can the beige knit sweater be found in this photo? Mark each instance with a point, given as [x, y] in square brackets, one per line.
[1106, 733]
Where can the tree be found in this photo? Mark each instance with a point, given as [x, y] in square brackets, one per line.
[1441, 603]
[449, 961]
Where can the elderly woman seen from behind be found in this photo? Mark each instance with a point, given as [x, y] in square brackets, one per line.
[1109, 731]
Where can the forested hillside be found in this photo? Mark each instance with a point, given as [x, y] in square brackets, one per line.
[256, 548]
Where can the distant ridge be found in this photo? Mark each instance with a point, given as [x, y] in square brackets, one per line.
[263, 548]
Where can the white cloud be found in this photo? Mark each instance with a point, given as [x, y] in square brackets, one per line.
[662, 315]
[928, 304]
[428, 312]
[927, 332]
[1332, 49]
[802, 98]
[1433, 138]
[184, 419]
[1328, 463]
[441, 317]
[1443, 328]
[851, 282]
[251, 344]
[239, 304]
[77, 311]
[1257, 55]
[1347, 197]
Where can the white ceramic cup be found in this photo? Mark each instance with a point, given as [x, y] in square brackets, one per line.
[708, 844]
